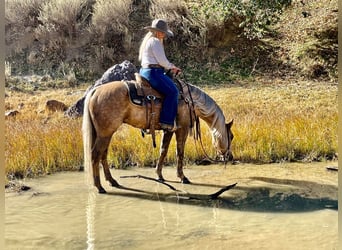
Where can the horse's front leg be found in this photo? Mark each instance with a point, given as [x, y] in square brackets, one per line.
[181, 136]
[166, 139]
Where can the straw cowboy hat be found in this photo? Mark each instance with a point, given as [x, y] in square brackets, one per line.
[160, 25]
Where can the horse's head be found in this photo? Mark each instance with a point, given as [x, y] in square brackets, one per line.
[226, 153]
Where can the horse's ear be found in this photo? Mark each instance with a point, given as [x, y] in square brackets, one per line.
[230, 124]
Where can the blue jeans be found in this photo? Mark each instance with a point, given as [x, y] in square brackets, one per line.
[164, 85]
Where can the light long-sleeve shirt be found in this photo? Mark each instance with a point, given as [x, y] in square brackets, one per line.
[154, 53]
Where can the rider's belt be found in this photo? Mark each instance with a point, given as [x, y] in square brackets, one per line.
[155, 66]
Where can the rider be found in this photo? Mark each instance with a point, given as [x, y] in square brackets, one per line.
[154, 62]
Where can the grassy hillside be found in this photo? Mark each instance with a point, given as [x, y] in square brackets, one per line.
[220, 41]
[305, 40]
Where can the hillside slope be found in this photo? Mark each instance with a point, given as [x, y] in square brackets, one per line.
[306, 40]
[82, 40]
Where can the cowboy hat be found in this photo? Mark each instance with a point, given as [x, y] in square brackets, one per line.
[160, 25]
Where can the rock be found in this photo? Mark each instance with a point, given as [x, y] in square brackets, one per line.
[332, 168]
[21, 105]
[11, 113]
[46, 78]
[16, 186]
[14, 88]
[124, 71]
[54, 106]
[24, 188]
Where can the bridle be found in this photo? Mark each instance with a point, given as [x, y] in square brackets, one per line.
[197, 135]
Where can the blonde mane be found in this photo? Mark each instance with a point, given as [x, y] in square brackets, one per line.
[207, 109]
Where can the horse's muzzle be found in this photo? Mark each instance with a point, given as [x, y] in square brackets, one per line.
[229, 156]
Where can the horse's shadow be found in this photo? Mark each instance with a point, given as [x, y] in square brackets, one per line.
[263, 198]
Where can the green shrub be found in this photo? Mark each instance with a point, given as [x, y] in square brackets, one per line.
[89, 36]
[253, 16]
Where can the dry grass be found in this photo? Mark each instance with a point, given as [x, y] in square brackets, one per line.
[284, 122]
[272, 123]
[40, 143]
[34, 147]
[109, 17]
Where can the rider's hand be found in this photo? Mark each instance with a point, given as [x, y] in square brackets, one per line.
[175, 70]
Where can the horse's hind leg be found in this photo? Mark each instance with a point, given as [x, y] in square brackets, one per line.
[106, 171]
[96, 173]
[104, 142]
[99, 153]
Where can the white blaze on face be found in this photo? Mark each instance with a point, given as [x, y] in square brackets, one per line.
[220, 141]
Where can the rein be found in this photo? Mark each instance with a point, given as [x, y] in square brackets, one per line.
[192, 112]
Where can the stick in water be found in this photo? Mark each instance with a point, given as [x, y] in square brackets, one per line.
[151, 179]
[213, 196]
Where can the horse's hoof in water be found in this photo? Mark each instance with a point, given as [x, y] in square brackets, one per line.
[115, 184]
[185, 181]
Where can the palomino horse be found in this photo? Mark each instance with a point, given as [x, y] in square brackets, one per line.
[108, 106]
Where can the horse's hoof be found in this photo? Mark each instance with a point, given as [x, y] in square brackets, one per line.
[161, 179]
[185, 181]
[115, 184]
[102, 191]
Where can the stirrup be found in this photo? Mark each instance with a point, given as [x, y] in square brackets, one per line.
[145, 132]
[168, 127]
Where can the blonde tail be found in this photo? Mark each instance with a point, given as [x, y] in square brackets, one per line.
[88, 132]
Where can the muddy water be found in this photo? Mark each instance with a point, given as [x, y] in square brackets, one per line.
[280, 206]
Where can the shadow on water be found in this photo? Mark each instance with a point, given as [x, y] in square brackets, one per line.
[260, 199]
[300, 197]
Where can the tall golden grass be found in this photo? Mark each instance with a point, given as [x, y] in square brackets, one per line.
[285, 122]
[35, 147]
[272, 123]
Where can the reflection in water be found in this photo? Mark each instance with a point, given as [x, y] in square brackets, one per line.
[215, 216]
[161, 210]
[90, 214]
[272, 207]
[90, 210]
[175, 212]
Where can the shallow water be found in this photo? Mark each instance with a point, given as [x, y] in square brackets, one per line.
[279, 206]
